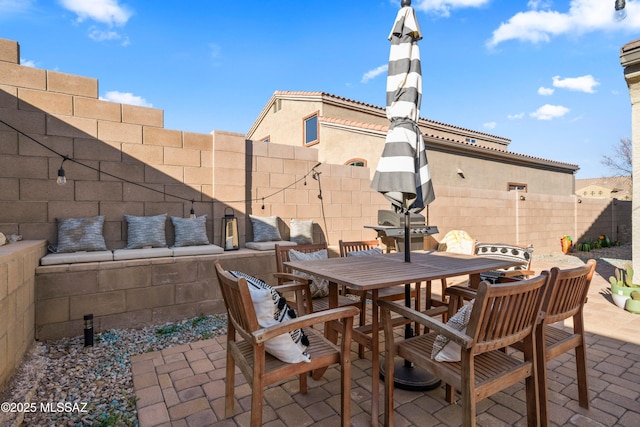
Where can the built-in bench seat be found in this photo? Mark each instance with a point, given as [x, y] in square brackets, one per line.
[126, 254]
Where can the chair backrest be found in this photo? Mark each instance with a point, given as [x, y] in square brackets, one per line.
[567, 291]
[237, 299]
[507, 252]
[360, 245]
[505, 313]
[458, 242]
[282, 254]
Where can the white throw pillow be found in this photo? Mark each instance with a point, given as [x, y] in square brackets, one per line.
[272, 309]
[445, 350]
[319, 287]
[302, 231]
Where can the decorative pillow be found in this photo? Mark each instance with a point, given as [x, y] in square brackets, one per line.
[272, 309]
[146, 231]
[319, 287]
[365, 252]
[265, 228]
[81, 234]
[445, 350]
[302, 231]
[190, 231]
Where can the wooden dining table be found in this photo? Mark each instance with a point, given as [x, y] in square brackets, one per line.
[374, 272]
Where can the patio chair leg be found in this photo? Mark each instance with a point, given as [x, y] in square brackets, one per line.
[583, 379]
[229, 386]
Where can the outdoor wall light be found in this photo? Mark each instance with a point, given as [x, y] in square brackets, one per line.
[523, 198]
[230, 231]
[62, 179]
[579, 200]
[460, 173]
[88, 330]
[192, 212]
[620, 13]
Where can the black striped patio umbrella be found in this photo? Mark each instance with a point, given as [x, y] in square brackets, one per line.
[402, 174]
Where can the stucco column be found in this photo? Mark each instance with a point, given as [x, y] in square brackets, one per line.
[630, 60]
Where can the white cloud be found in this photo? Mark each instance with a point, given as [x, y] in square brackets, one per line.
[549, 112]
[27, 62]
[372, 74]
[444, 7]
[578, 84]
[516, 116]
[8, 7]
[98, 35]
[545, 91]
[126, 98]
[490, 125]
[104, 11]
[540, 23]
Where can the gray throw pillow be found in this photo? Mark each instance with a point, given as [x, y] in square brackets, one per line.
[190, 231]
[319, 287]
[265, 228]
[146, 231]
[365, 252]
[302, 231]
[81, 234]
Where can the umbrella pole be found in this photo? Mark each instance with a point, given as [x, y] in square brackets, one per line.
[407, 376]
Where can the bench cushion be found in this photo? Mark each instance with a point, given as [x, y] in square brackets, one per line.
[197, 250]
[120, 254]
[75, 257]
[268, 246]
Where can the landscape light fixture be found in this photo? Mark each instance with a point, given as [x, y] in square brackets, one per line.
[620, 13]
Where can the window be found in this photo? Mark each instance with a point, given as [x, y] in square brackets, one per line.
[470, 140]
[310, 129]
[357, 162]
[265, 139]
[517, 187]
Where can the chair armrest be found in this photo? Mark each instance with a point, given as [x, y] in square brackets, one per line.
[291, 277]
[454, 335]
[308, 320]
[515, 273]
[461, 291]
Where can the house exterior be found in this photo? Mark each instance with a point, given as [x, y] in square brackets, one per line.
[613, 187]
[345, 131]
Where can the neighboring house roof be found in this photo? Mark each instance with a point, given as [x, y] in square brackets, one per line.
[330, 98]
[619, 187]
[450, 144]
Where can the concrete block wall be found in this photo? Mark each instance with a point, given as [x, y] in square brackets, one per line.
[135, 293]
[162, 170]
[18, 262]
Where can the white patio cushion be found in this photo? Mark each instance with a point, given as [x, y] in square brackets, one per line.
[268, 246]
[197, 250]
[120, 254]
[74, 257]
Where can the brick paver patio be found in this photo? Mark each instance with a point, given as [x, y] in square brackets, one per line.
[184, 385]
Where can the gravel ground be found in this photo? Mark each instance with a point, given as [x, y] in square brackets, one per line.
[67, 372]
[100, 375]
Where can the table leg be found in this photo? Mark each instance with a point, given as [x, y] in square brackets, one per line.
[375, 359]
[329, 332]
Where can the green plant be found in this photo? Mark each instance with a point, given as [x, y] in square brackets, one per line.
[584, 246]
[623, 278]
[167, 330]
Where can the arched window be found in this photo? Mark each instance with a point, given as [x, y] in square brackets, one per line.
[356, 162]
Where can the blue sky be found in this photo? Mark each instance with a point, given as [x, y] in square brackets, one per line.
[545, 74]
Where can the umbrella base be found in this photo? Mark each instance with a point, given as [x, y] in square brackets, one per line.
[412, 378]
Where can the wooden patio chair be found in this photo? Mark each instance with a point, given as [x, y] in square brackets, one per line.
[502, 314]
[467, 291]
[246, 346]
[285, 275]
[565, 298]
[396, 293]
